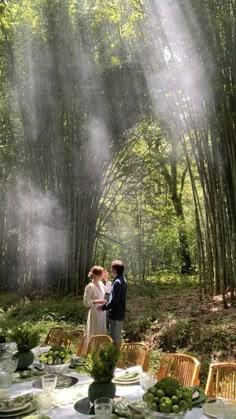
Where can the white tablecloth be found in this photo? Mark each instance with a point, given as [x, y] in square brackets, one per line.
[66, 398]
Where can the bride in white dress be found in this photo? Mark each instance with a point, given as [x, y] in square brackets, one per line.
[94, 294]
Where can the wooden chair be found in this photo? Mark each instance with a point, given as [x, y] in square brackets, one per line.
[54, 336]
[81, 347]
[96, 341]
[133, 354]
[184, 368]
[76, 337]
[221, 380]
[66, 341]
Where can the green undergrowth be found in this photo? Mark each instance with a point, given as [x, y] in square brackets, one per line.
[163, 283]
[68, 310]
[45, 312]
[167, 314]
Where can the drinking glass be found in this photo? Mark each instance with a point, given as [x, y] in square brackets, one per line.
[45, 402]
[103, 408]
[5, 382]
[49, 382]
[13, 365]
[147, 380]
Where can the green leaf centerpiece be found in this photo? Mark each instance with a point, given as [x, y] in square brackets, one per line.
[102, 369]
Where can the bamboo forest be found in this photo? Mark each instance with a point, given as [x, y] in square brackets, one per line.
[118, 142]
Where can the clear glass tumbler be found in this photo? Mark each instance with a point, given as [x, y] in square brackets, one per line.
[5, 382]
[13, 364]
[103, 408]
[49, 382]
[45, 403]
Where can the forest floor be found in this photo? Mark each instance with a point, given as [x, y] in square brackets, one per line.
[171, 318]
[166, 313]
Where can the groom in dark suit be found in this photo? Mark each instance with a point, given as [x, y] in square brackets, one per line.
[116, 305]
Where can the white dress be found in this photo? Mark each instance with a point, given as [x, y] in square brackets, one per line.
[96, 320]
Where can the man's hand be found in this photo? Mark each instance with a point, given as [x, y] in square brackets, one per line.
[99, 308]
[105, 275]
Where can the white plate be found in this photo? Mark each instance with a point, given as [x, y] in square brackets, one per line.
[15, 408]
[132, 370]
[31, 408]
[220, 408]
[37, 417]
[212, 409]
[119, 371]
[84, 379]
[15, 400]
[125, 382]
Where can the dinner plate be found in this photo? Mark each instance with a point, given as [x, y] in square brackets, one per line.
[127, 378]
[37, 417]
[136, 409]
[130, 376]
[77, 362]
[15, 400]
[63, 381]
[125, 383]
[15, 408]
[31, 408]
[85, 379]
[212, 409]
[220, 408]
[85, 407]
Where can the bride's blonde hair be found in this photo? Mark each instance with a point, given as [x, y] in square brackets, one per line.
[96, 270]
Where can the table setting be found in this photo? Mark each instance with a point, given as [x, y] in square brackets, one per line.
[29, 401]
[55, 387]
[62, 402]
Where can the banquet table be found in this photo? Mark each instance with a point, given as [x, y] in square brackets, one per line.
[67, 397]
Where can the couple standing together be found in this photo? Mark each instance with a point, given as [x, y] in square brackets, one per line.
[94, 298]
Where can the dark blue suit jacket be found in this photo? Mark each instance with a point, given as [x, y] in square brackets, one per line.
[117, 302]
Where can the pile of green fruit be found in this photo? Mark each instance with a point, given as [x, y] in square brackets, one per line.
[168, 396]
[56, 355]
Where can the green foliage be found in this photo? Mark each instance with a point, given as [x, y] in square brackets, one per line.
[26, 337]
[176, 335]
[7, 326]
[149, 227]
[205, 360]
[146, 288]
[135, 330]
[70, 310]
[205, 341]
[201, 399]
[103, 363]
[205, 333]
[169, 385]
[154, 360]
[8, 300]
[198, 337]
[215, 339]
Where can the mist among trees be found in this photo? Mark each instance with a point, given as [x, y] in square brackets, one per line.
[117, 140]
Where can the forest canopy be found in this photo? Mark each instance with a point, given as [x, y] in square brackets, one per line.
[117, 140]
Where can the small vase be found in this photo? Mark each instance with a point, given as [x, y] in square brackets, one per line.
[25, 359]
[97, 390]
